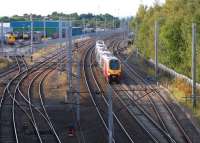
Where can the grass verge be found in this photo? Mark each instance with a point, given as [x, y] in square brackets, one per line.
[4, 63]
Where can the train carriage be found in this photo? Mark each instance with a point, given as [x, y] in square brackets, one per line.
[99, 51]
[102, 56]
[109, 64]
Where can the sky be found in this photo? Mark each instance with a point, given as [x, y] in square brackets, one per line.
[120, 8]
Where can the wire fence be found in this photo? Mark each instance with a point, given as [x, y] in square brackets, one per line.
[173, 73]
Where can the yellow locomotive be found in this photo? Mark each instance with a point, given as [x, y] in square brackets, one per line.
[10, 39]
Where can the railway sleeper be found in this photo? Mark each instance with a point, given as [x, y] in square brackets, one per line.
[6, 139]
[31, 132]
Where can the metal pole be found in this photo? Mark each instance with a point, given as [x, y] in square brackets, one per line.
[124, 29]
[78, 88]
[84, 26]
[156, 50]
[113, 23]
[105, 25]
[96, 28]
[194, 65]
[60, 41]
[58, 66]
[128, 28]
[60, 31]
[135, 32]
[2, 36]
[31, 19]
[69, 62]
[45, 30]
[110, 115]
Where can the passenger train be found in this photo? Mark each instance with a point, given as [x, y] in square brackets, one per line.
[108, 63]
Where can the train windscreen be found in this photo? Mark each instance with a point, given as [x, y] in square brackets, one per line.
[114, 65]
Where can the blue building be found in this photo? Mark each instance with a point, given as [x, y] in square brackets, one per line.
[52, 27]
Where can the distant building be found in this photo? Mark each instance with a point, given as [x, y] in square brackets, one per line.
[52, 27]
[6, 29]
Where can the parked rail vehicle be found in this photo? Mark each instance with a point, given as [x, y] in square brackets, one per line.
[108, 63]
[10, 38]
[26, 35]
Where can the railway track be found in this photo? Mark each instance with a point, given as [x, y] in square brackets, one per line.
[7, 104]
[128, 101]
[23, 106]
[139, 110]
[100, 102]
[12, 89]
[9, 71]
[161, 136]
[160, 107]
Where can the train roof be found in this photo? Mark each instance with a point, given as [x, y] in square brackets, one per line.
[111, 58]
[101, 42]
[101, 47]
[106, 52]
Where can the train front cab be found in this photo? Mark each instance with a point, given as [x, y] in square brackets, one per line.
[11, 40]
[113, 71]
